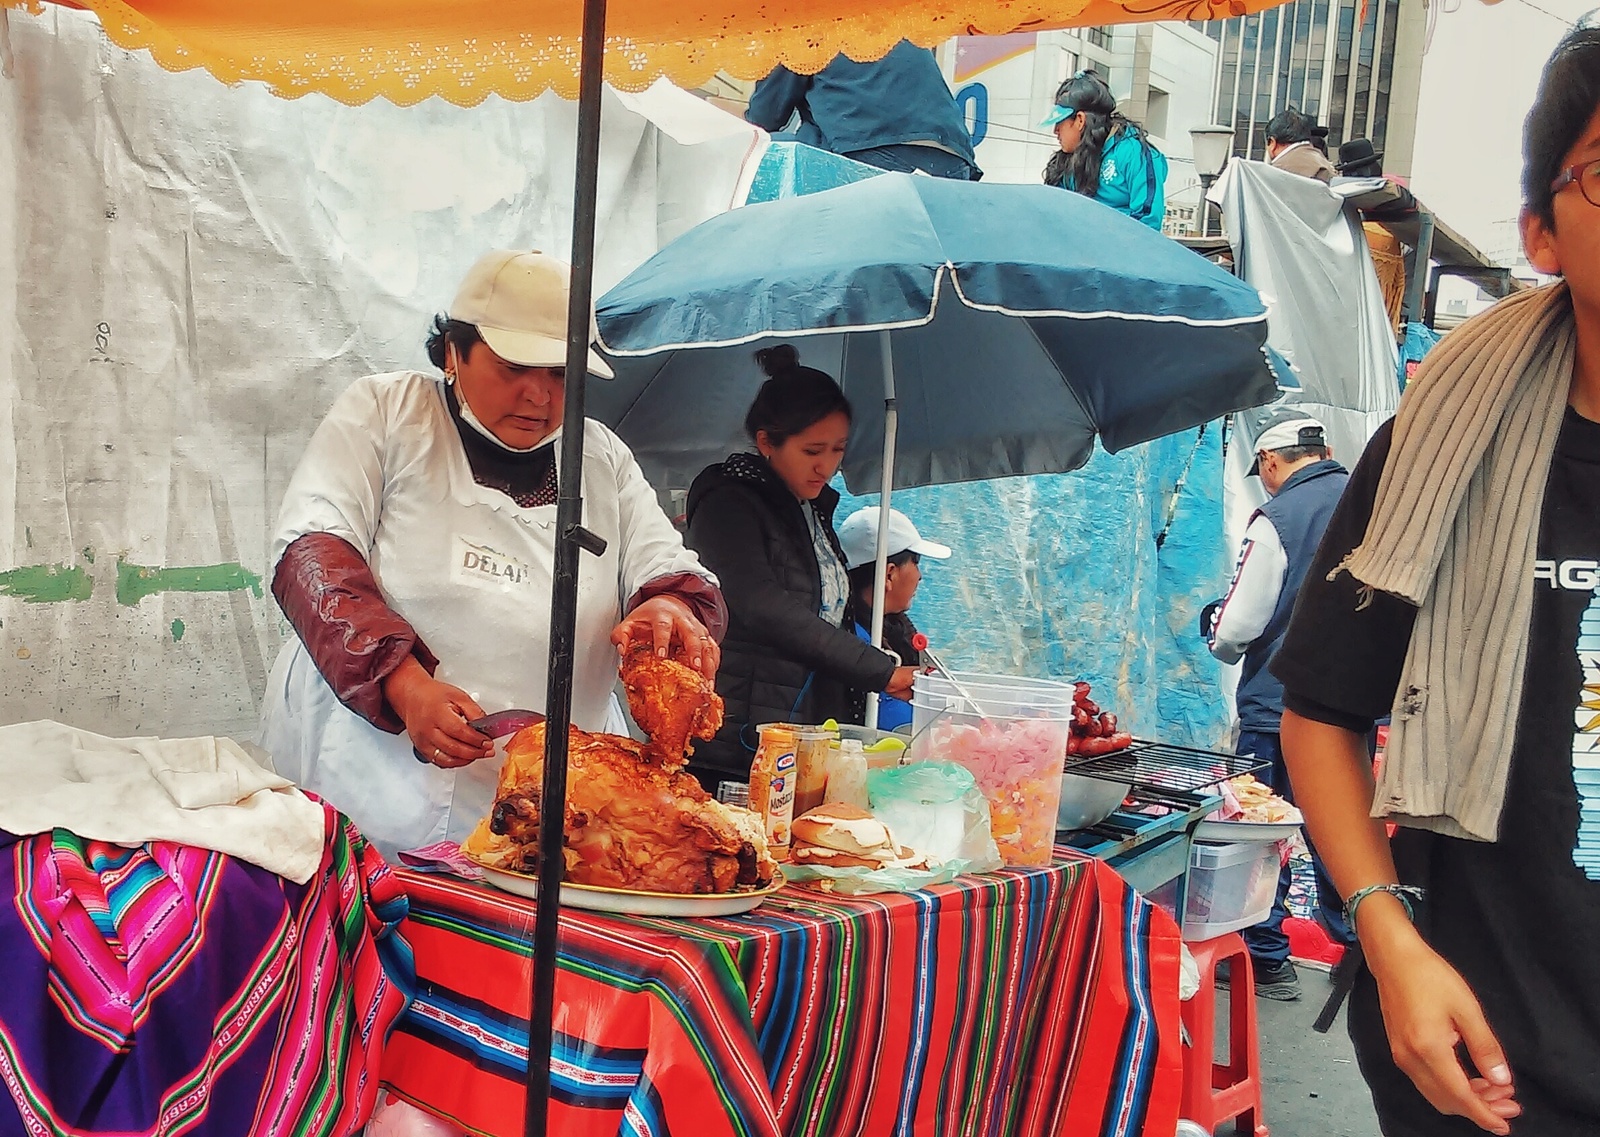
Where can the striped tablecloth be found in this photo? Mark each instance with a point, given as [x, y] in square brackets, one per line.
[1025, 1002]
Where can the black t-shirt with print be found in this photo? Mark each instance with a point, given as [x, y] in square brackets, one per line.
[1518, 918]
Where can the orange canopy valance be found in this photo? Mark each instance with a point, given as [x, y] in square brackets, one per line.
[464, 50]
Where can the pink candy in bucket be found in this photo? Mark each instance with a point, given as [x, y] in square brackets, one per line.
[1011, 734]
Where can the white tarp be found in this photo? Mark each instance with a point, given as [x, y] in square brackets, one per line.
[1305, 251]
[189, 273]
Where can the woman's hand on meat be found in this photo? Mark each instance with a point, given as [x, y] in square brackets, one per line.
[1430, 1013]
[666, 621]
[437, 716]
[900, 683]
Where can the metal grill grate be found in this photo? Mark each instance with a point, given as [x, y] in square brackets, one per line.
[1158, 766]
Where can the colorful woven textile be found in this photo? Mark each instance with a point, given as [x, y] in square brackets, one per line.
[1025, 1002]
[163, 989]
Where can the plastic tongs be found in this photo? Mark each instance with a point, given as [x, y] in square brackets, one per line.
[497, 725]
[920, 642]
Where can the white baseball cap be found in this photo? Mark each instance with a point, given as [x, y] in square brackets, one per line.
[858, 536]
[518, 302]
[1300, 430]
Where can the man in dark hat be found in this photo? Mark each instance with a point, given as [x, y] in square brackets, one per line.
[1357, 159]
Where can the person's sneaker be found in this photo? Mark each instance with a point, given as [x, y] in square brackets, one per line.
[1277, 981]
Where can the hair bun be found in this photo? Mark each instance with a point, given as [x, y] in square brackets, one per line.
[778, 359]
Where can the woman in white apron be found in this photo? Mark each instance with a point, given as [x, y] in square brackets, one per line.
[414, 557]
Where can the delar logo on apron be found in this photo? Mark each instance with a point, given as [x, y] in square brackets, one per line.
[479, 566]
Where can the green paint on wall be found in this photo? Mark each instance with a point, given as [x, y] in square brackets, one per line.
[177, 630]
[135, 582]
[46, 584]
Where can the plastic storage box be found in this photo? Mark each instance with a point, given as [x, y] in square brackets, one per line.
[1014, 742]
[1231, 887]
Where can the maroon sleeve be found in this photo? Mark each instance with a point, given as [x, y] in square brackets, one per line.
[703, 598]
[331, 598]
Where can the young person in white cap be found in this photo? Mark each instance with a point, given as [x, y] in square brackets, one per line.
[414, 555]
[858, 536]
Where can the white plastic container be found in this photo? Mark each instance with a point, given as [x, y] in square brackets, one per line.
[1014, 742]
[1231, 887]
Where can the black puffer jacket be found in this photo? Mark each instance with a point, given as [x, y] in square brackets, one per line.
[781, 662]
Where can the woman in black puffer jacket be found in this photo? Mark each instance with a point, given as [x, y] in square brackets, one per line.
[763, 523]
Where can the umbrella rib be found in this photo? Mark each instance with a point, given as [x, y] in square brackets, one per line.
[939, 273]
[1151, 318]
[1071, 390]
[666, 358]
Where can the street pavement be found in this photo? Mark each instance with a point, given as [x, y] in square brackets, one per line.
[1310, 1084]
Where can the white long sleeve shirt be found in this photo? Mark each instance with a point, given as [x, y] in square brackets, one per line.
[1253, 595]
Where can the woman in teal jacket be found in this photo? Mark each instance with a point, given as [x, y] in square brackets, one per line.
[1103, 155]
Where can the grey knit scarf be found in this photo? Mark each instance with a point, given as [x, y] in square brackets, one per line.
[1455, 530]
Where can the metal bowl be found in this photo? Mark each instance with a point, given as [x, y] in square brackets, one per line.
[1088, 801]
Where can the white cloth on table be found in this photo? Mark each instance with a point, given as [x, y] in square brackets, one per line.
[206, 792]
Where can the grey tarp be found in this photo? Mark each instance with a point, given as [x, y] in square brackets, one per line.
[1304, 250]
[189, 273]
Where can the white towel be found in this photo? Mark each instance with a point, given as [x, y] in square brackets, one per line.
[206, 792]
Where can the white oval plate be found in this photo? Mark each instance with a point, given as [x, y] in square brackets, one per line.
[1245, 830]
[628, 903]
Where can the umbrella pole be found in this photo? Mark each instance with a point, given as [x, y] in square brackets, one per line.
[880, 571]
[571, 539]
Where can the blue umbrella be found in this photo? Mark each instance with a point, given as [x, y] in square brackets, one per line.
[1023, 321]
[981, 330]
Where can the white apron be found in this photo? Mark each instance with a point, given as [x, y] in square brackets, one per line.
[471, 571]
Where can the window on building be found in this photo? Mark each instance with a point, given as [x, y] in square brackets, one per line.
[1155, 115]
[1294, 89]
[1224, 108]
[1099, 36]
[1339, 96]
[1315, 55]
[1380, 109]
[1361, 97]
[1069, 66]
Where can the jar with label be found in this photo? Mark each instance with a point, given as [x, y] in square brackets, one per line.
[772, 783]
[847, 775]
[812, 747]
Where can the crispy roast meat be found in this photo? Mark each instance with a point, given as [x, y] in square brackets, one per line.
[629, 824]
[671, 702]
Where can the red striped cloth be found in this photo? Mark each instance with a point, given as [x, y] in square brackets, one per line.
[1026, 1002]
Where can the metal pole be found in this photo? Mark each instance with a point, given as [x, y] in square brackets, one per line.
[880, 573]
[1206, 181]
[1417, 278]
[571, 538]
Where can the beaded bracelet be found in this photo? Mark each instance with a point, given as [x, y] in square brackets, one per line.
[1408, 895]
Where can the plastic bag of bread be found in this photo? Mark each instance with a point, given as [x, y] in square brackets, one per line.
[843, 848]
[937, 809]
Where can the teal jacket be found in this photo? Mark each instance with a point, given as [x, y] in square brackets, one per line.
[1133, 178]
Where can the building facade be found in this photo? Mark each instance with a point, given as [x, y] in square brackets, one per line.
[1164, 77]
[1353, 65]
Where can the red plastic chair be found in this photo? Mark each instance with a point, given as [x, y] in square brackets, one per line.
[1215, 1092]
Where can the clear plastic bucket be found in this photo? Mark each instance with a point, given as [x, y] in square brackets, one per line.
[1012, 736]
